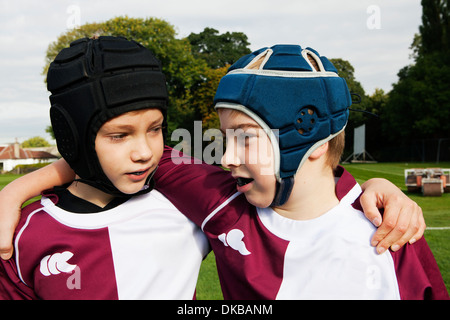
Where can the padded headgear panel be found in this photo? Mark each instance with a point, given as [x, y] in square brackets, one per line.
[93, 81]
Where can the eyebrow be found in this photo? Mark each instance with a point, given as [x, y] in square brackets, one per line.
[241, 126]
[119, 127]
[111, 127]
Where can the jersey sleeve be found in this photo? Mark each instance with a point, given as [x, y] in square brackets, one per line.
[194, 187]
[11, 288]
[418, 274]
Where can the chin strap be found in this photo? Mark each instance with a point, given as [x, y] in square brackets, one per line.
[108, 187]
[284, 189]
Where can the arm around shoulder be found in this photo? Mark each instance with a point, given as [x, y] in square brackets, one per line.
[402, 220]
[22, 189]
[194, 187]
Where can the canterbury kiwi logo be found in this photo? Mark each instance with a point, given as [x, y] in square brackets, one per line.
[57, 263]
[234, 240]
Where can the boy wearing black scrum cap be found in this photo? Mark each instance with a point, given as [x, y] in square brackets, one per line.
[107, 235]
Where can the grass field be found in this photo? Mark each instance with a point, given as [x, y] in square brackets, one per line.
[436, 211]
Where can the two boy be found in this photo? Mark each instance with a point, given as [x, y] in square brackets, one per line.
[221, 206]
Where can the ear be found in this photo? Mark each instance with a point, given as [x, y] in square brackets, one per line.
[319, 152]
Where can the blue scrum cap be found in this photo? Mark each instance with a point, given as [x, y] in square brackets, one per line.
[280, 88]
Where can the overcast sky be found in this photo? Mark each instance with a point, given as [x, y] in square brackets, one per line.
[374, 35]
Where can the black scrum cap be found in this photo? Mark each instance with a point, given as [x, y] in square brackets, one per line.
[93, 81]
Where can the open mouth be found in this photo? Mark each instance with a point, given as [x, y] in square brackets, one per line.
[138, 173]
[243, 181]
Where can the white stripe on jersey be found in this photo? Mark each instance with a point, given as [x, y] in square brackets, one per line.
[16, 243]
[225, 203]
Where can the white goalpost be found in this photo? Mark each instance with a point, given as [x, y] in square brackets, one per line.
[360, 153]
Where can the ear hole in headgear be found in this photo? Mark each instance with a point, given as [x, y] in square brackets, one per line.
[65, 131]
[306, 120]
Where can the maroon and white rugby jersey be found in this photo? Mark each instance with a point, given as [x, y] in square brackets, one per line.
[262, 255]
[142, 249]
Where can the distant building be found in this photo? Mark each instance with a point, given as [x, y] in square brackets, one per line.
[12, 155]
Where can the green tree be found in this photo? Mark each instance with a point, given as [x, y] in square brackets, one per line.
[49, 130]
[347, 71]
[419, 103]
[35, 142]
[219, 50]
[376, 104]
[435, 28]
[202, 99]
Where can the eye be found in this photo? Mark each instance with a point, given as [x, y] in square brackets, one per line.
[246, 138]
[156, 130]
[117, 137]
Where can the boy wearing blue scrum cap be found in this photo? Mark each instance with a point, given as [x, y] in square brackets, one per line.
[307, 107]
[294, 229]
[314, 203]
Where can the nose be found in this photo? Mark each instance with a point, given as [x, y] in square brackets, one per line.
[141, 150]
[231, 156]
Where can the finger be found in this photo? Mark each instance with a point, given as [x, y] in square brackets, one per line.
[369, 205]
[401, 228]
[390, 218]
[7, 229]
[394, 209]
[421, 229]
[415, 229]
[6, 240]
[6, 254]
[409, 233]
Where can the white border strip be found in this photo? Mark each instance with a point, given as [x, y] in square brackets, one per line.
[212, 214]
[290, 74]
[305, 53]
[16, 243]
[266, 54]
[273, 138]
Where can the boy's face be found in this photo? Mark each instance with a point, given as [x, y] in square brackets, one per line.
[249, 156]
[129, 148]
